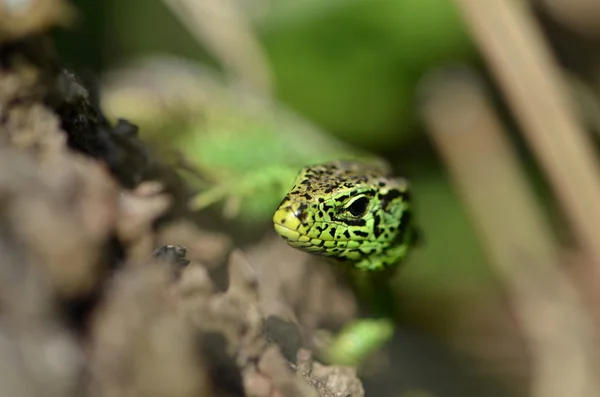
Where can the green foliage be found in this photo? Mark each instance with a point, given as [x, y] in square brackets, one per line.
[353, 67]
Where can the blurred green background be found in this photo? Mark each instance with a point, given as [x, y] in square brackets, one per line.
[351, 67]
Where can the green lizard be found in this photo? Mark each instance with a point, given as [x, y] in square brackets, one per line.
[213, 126]
[358, 215]
[349, 211]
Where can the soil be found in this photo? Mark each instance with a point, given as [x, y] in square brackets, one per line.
[109, 286]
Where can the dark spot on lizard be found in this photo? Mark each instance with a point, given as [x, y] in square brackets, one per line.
[376, 229]
[361, 233]
[354, 222]
[341, 198]
[387, 198]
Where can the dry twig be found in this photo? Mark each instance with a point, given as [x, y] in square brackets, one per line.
[487, 176]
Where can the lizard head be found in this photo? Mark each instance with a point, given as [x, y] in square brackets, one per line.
[348, 211]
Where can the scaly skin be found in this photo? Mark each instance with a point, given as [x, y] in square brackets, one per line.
[358, 215]
[348, 211]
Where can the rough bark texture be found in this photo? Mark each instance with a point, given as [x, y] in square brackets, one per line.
[91, 305]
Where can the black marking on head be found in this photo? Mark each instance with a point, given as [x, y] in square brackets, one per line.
[369, 193]
[347, 234]
[321, 200]
[405, 220]
[321, 214]
[342, 198]
[387, 198]
[376, 229]
[321, 229]
[354, 222]
[361, 233]
[285, 200]
[301, 212]
[307, 196]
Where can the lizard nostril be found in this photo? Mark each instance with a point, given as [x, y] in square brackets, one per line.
[301, 212]
[302, 216]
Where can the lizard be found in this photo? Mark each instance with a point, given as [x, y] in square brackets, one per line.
[359, 216]
[212, 128]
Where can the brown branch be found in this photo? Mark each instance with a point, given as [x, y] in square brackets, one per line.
[488, 178]
[512, 44]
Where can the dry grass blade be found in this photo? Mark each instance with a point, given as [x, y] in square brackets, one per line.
[222, 26]
[486, 174]
[513, 45]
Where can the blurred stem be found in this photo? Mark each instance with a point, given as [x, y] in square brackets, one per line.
[587, 101]
[513, 45]
[224, 29]
[512, 227]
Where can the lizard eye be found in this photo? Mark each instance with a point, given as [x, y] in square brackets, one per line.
[358, 207]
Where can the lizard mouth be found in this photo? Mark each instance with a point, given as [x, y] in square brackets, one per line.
[290, 227]
[287, 225]
[286, 233]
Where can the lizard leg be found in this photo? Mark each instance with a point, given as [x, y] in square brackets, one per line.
[363, 337]
[359, 340]
[259, 186]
